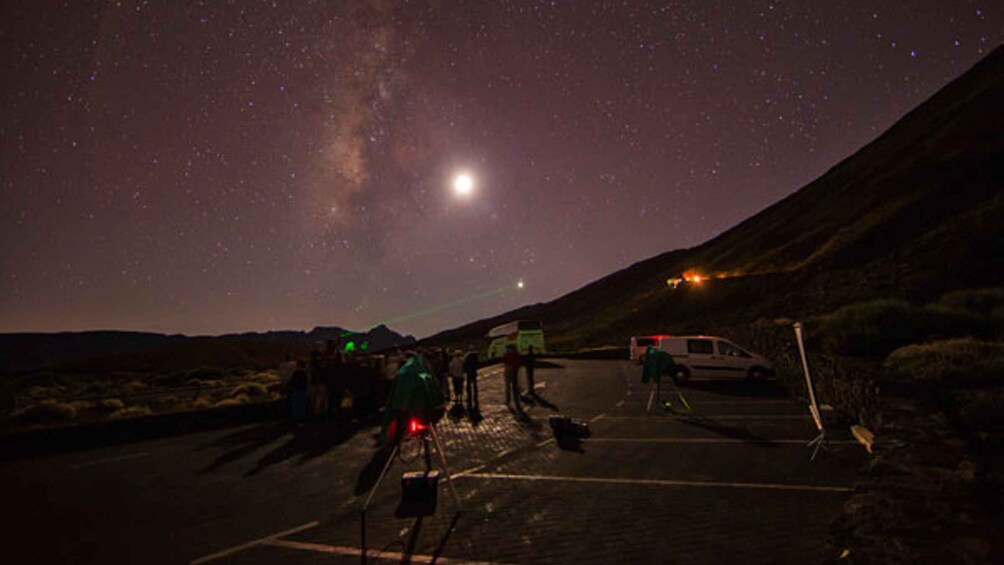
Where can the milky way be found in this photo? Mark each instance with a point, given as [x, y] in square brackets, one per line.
[208, 167]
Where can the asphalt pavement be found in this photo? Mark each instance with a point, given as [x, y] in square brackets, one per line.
[731, 482]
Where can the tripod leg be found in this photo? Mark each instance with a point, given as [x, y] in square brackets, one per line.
[651, 396]
[446, 469]
[820, 443]
[383, 474]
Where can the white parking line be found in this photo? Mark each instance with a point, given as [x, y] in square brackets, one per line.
[749, 402]
[259, 541]
[370, 553]
[699, 440]
[109, 460]
[657, 482]
[718, 417]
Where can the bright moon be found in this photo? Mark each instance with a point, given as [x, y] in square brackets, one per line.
[463, 184]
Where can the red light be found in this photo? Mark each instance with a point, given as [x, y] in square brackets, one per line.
[415, 427]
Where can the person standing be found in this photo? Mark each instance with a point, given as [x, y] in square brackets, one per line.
[528, 362]
[471, 370]
[457, 376]
[510, 361]
[298, 384]
[286, 370]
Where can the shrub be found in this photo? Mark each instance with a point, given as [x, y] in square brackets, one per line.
[205, 383]
[132, 412]
[83, 405]
[939, 321]
[238, 400]
[207, 373]
[202, 404]
[253, 390]
[170, 379]
[48, 410]
[167, 400]
[981, 301]
[266, 378]
[132, 386]
[870, 328]
[111, 404]
[962, 362]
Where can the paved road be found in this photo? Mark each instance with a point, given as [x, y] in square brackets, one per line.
[733, 484]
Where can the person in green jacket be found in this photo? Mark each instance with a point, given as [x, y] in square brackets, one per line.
[414, 393]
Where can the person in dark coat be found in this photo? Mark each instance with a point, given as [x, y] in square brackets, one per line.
[511, 362]
[298, 384]
[471, 371]
[528, 363]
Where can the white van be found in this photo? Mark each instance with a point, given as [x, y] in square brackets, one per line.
[701, 356]
[639, 344]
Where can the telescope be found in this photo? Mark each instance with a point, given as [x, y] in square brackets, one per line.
[414, 405]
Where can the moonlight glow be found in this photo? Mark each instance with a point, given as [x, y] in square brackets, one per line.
[463, 184]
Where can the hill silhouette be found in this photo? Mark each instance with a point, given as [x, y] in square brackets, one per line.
[914, 214]
[109, 351]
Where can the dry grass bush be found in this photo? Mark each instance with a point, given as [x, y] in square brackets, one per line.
[953, 362]
[48, 410]
[266, 378]
[111, 404]
[253, 390]
[132, 412]
[83, 405]
[44, 392]
[132, 387]
[202, 404]
[207, 373]
[238, 400]
[168, 400]
[205, 383]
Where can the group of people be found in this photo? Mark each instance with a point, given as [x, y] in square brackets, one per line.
[331, 384]
[337, 385]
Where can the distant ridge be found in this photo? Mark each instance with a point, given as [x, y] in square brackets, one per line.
[93, 351]
[915, 213]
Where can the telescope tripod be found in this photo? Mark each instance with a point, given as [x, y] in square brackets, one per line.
[427, 436]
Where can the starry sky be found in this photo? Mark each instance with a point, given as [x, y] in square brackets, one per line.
[208, 167]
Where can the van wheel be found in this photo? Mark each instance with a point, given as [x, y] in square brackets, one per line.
[681, 375]
[756, 374]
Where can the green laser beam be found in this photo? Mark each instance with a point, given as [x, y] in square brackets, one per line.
[438, 308]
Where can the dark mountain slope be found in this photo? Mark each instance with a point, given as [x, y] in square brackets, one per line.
[913, 214]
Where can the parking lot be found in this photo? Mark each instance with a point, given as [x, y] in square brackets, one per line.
[730, 483]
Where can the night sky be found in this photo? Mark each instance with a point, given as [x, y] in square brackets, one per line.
[205, 167]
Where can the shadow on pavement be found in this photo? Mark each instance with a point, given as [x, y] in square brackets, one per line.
[535, 399]
[745, 389]
[371, 471]
[730, 432]
[246, 441]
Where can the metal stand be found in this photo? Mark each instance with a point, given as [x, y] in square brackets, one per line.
[427, 455]
[656, 392]
[820, 442]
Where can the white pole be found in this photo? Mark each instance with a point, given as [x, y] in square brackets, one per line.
[813, 405]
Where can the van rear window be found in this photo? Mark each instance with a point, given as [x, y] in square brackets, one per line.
[700, 346]
[644, 342]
